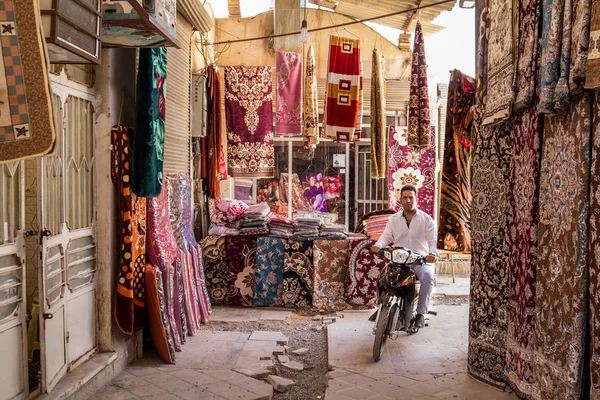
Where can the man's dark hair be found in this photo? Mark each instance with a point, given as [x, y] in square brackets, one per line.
[408, 187]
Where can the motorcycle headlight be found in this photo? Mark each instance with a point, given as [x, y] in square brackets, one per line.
[411, 259]
[399, 256]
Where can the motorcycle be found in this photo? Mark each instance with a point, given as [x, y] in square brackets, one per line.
[397, 297]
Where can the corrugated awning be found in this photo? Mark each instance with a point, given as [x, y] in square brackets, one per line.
[358, 9]
[196, 14]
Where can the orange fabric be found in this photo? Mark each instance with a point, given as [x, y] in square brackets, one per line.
[214, 129]
[155, 320]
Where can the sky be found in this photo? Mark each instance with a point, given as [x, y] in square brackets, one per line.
[452, 48]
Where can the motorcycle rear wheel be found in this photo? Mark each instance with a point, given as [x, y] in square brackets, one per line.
[380, 332]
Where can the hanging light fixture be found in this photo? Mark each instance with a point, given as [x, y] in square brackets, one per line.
[304, 36]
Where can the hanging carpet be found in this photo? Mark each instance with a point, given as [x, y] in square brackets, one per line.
[158, 318]
[213, 251]
[241, 255]
[580, 43]
[26, 109]
[288, 114]
[343, 99]
[592, 71]
[411, 166]
[214, 123]
[331, 273]
[268, 272]
[364, 268]
[249, 122]
[310, 133]
[527, 52]
[419, 132]
[298, 274]
[594, 262]
[378, 123]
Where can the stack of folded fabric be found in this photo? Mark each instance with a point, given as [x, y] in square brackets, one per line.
[307, 228]
[281, 227]
[330, 230]
[375, 225]
[255, 221]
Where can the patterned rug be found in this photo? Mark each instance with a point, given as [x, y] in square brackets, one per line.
[343, 102]
[310, 133]
[592, 68]
[130, 312]
[419, 132]
[298, 274]
[147, 148]
[454, 230]
[213, 251]
[523, 249]
[580, 43]
[562, 268]
[529, 21]
[490, 216]
[500, 63]
[241, 254]
[249, 121]
[408, 166]
[24, 85]
[331, 273]
[594, 285]
[364, 268]
[268, 273]
[378, 122]
[288, 114]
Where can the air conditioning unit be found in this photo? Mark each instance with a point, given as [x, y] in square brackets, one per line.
[198, 101]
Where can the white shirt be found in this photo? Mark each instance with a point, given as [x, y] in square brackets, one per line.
[420, 237]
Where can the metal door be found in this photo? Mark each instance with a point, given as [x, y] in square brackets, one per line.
[68, 250]
[13, 344]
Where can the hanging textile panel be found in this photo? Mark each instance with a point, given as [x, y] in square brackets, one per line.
[214, 122]
[411, 166]
[130, 313]
[527, 52]
[26, 116]
[288, 114]
[592, 78]
[455, 202]
[364, 268]
[298, 274]
[522, 245]
[310, 133]
[241, 254]
[213, 251]
[343, 100]
[500, 63]
[268, 272]
[419, 133]
[331, 273]
[555, 56]
[490, 215]
[378, 123]
[158, 319]
[594, 274]
[249, 122]
[562, 268]
[580, 43]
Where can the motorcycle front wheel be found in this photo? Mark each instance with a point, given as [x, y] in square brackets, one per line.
[380, 332]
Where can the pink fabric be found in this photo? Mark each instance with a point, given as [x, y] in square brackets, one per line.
[226, 210]
[411, 167]
[288, 117]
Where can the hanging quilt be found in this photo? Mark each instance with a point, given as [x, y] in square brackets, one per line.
[594, 274]
[500, 63]
[310, 133]
[522, 245]
[249, 122]
[299, 201]
[240, 257]
[288, 114]
[364, 268]
[343, 99]
[454, 230]
[331, 273]
[562, 267]
[147, 149]
[527, 52]
[490, 216]
[214, 123]
[592, 77]
[268, 272]
[26, 111]
[419, 133]
[130, 313]
[213, 250]
[411, 166]
[298, 274]
[378, 123]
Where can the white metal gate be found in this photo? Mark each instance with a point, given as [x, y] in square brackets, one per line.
[369, 194]
[13, 345]
[66, 210]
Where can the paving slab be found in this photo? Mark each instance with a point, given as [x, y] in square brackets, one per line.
[268, 336]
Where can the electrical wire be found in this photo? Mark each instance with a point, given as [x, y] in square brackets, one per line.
[358, 21]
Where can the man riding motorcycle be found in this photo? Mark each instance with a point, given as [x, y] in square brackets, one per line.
[413, 229]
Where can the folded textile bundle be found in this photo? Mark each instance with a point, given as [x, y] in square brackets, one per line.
[218, 230]
[307, 228]
[375, 225]
[332, 231]
[257, 210]
[281, 227]
[227, 210]
[261, 230]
